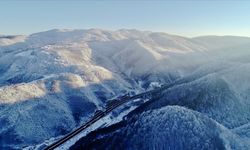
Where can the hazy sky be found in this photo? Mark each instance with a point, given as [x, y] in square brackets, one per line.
[187, 18]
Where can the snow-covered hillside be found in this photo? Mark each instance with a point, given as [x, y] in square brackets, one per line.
[171, 127]
[204, 110]
[52, 81]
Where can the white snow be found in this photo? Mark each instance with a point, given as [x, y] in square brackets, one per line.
[171, 127]
[103, 122]
[52, 72]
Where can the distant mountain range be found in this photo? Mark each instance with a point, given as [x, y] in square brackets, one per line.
[51, 82]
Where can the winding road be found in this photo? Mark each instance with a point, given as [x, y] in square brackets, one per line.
[101, 114]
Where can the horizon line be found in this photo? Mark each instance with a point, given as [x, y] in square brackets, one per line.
[114, 30]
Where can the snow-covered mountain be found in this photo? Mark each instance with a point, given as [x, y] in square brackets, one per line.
[171, 127]
[206, 109]
[53, 81]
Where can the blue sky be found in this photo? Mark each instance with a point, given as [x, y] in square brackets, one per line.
[187, 18]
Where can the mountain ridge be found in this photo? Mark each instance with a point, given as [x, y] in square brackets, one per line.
[72, 73]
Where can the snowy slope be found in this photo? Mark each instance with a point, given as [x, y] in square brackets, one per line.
[170, 127]
[215, 96]
[52, 81]
[220, 96]
[218, 89]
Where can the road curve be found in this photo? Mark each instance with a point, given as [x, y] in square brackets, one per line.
[90, 122]
[100, 115]
[121, 101]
